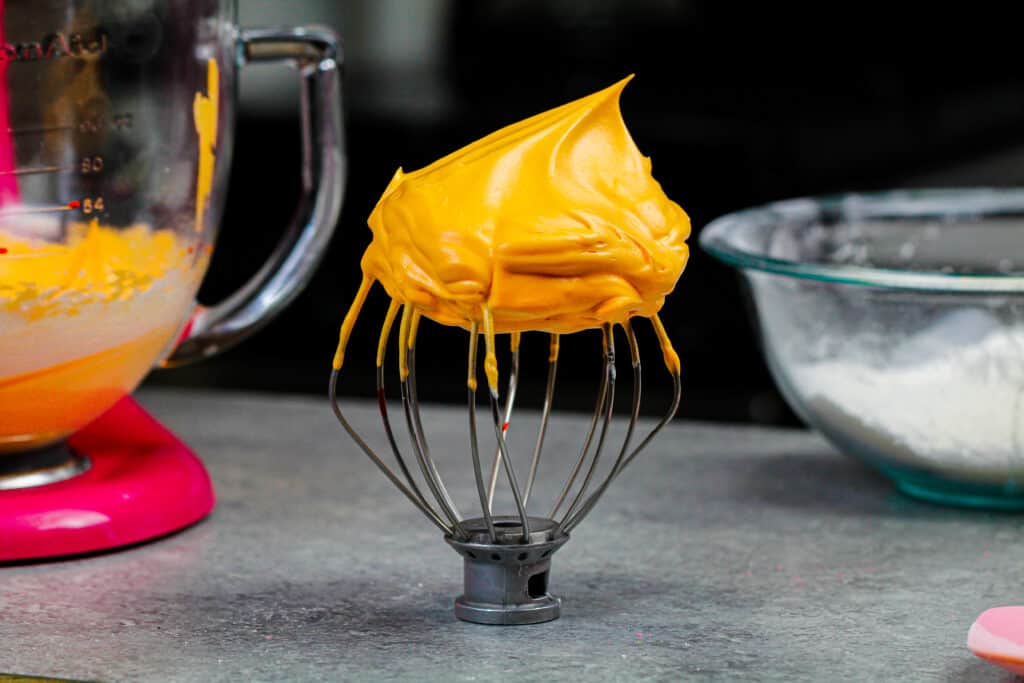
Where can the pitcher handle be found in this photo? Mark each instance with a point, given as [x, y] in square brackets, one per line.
[316, 54]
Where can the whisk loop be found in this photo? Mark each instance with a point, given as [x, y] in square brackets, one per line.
[442, 510]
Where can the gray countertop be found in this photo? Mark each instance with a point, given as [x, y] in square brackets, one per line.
[725, 552]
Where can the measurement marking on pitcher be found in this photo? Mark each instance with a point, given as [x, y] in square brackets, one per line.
[70, 206]
[37, 170]
[88, 205]
[95, 124]
[88, 165]
[30, 130]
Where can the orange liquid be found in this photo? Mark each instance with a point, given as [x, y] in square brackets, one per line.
[45, 406]
[81, 323]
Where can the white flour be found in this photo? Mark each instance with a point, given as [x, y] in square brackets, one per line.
[952, 397]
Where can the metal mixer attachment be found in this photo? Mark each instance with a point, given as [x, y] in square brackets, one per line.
[507, 558]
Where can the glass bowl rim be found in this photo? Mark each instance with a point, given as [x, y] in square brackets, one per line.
[964, 203]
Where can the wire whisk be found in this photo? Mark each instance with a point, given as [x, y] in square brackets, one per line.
[507, 556]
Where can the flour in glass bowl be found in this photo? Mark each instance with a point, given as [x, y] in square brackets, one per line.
[950, 399]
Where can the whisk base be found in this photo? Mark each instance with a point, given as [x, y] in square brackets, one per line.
[547, 608]
[506, 583]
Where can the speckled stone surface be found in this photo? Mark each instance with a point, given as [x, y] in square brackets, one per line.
[725, 553]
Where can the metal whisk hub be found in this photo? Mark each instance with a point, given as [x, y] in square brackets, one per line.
[506, 582]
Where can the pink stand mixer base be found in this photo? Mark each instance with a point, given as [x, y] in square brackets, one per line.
[143, 483]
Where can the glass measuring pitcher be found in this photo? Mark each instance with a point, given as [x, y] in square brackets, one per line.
[116, 128]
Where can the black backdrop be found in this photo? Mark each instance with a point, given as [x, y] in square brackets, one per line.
[736, 104]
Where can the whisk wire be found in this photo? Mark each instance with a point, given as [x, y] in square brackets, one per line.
[510, 402]
[677, 386]
[428, 470]
[634, 416]
[382, 406]
[610, 372]
[549, 394]
[382, 402]
[421, 435]
[602, 396]
[499, 433]
[473, 440]
[509, 472]
[431, 515]
[677, 392]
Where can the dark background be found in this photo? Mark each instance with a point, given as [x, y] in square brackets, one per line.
[736, 104]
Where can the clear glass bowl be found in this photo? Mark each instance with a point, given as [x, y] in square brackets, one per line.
[894, 325]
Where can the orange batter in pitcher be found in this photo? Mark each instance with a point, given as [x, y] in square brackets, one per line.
[83, 320]
[81, 323]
